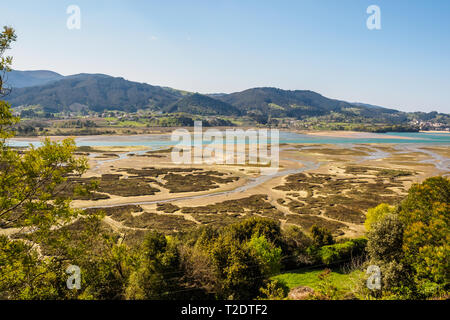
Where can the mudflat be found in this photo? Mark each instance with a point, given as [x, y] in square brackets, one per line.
[327, 185]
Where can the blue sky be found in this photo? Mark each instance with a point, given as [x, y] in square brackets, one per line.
[227, 46]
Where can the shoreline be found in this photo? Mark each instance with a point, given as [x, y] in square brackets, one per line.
[327, 133]
[352, 134]
[304, 136]
[434, 131]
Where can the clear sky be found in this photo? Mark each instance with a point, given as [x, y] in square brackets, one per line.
[231, 45]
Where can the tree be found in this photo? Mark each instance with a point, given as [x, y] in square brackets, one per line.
[296, 238]
[260, 226]
[384, 247]
[29, 199]
[104, 262]
[321, 236]
[158, 272]
[244, 255]
[238, 270]
[24, 275]
[235, 261]
[267, 253]
[426, 239]
[376, 214]
[6, 38]
[6, 119]
[411, 244]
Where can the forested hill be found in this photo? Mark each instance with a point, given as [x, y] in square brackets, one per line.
[97, 92]
[300, 104]
[203, 105]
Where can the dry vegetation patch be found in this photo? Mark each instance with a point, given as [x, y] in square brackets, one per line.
[217, 220]
[178, 180]
[145, 220]
[73, 235]
[118, 213]
[167, 207]
[307, 221]
[195, 182]
[160, 222]
[335, 152]
[256, 204]
[344, 197]
[345, 214]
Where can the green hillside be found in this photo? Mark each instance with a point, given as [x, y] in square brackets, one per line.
[98, 93]
[202, 105]
[301, 104]
[95, 91]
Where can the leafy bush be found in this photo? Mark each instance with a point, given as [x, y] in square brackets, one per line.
[267, 253]
[244, 230]
[425, 214]
[274, 290]
[341, 251]
[321, 236]
[376, 214]
[239, 271]
[158, 266]
[411, 245]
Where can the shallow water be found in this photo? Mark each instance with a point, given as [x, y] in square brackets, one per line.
[161, 140]
[411, 137]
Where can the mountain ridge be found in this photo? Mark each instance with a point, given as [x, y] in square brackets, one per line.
[97, 92]
[100, 92]
[29, 78]
[203, 105]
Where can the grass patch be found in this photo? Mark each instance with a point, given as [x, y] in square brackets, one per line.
[310, 278]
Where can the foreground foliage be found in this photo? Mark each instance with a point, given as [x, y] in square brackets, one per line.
[411, 244]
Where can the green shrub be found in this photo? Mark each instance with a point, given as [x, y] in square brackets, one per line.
[411, 245]
[244, 230]
[321, 236]
[341, 251]
[267, 253]
[376, 214]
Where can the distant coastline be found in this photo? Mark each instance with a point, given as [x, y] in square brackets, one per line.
[434, 131]
[350, 134]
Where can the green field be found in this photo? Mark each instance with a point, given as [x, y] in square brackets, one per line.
[310, 278]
